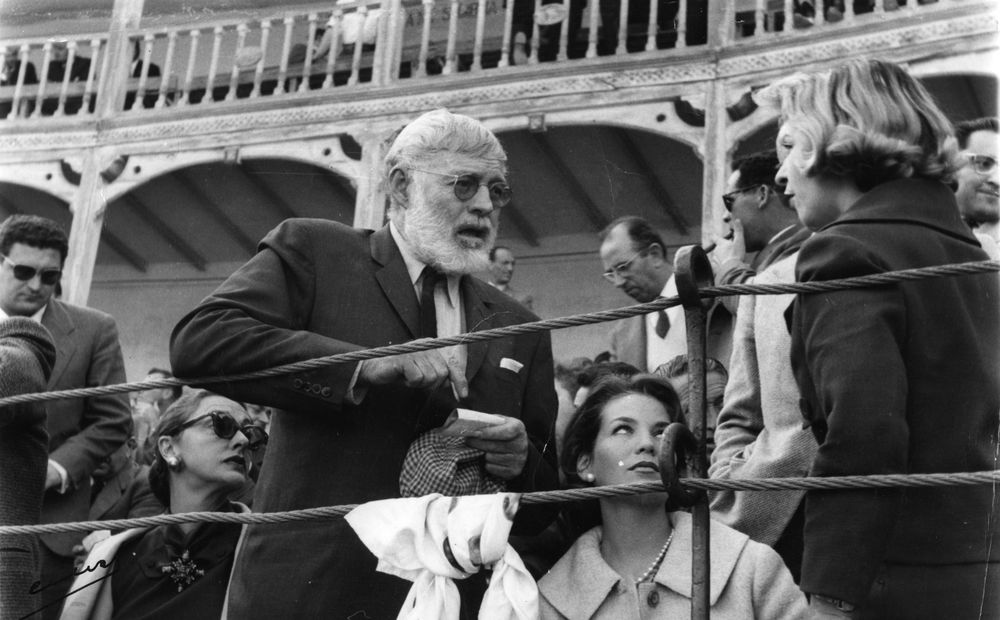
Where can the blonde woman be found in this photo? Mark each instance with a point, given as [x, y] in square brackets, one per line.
[895, 379]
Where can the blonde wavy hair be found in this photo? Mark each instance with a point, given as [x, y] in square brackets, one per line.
[867, 120]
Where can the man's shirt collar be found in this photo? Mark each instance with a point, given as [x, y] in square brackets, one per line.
[414, 267]
[36, 317]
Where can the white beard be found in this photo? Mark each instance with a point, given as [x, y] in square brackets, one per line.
[432, 240]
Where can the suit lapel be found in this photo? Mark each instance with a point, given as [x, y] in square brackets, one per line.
[61, 326]
[477, 318]
[394, 279]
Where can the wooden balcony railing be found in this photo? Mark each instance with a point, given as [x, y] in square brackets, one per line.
[383, 42]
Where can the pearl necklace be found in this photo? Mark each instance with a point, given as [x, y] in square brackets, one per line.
[648, 575]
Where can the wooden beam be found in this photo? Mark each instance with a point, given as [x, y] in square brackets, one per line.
[597, 219]
[212, 209]
[646, 171]
[524, 227]
[272, 198]
[162, 229]
[120, 247]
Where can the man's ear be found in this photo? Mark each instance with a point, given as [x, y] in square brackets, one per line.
[656, 250]
[763, 195]
[398, 184]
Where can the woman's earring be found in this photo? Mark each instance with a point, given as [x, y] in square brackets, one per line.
[173, 463]
[589, 477]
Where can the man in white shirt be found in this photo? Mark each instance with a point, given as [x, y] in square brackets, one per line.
[502, 263]
[344, 434]
[635, 260]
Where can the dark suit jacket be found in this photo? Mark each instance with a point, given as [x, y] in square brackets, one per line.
[82, 431]
[318, 288]
[126, 495]
[897, 379]
[26, 358]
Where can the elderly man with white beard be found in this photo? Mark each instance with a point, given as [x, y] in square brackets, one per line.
[357, 432]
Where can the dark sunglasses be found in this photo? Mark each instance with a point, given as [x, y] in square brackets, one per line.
[730, 199]
[225, 427]
[24, 273]
[466, 187]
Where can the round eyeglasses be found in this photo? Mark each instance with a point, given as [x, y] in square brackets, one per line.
[225, 427]
[466, 186]
[982, 164]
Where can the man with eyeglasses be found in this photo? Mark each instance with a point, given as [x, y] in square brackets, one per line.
[355, 432]
[82, 431]
[635, 260]
[978, 192]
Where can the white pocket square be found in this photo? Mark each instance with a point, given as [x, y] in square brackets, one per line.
[511, 365]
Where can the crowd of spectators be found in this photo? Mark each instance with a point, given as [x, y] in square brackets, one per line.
[866, 177]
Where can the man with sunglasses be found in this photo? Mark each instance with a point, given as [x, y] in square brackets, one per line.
[978, 190]
[344, 434]
[82, 431]
[761, 221]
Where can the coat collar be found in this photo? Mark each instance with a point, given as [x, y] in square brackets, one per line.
[912, 201]
[581, 580]
[60, 324]
[394, 279]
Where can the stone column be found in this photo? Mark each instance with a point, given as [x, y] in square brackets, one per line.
[716, 156]
[370, 208]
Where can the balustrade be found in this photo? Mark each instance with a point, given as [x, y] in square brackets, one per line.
[384, 42]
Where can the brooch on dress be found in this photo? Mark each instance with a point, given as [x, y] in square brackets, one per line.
[183, 571]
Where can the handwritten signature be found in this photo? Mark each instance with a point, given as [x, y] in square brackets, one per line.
[37, 586]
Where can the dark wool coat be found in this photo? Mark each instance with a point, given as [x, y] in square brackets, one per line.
[26, 359]
[900, 378]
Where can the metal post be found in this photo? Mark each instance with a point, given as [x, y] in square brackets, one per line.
[692, 270]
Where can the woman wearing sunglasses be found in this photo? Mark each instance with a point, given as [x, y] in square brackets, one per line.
[177, 571]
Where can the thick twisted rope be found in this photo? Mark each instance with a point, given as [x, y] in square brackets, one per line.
[602, 316]
[881, 481]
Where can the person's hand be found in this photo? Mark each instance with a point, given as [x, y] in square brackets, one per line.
[820, 609]
[505, 446]
[730, 250]
[52, 478]
[423, 369]
[81, 551]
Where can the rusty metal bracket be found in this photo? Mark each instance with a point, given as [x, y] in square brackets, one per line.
[677, 449]
[692, 271]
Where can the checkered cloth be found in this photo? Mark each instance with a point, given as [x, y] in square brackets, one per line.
[439, 464]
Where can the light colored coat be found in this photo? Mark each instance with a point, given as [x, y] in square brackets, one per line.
[747, 580]
[760, 430]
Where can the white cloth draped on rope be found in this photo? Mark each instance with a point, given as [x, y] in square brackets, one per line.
[434, 539]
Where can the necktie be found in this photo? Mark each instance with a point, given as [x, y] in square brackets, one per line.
[662, 324]
[428, 315]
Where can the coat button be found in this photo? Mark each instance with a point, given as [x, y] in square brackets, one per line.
[315, 388]
[297, 384]
[653, 599]
[326, 392]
